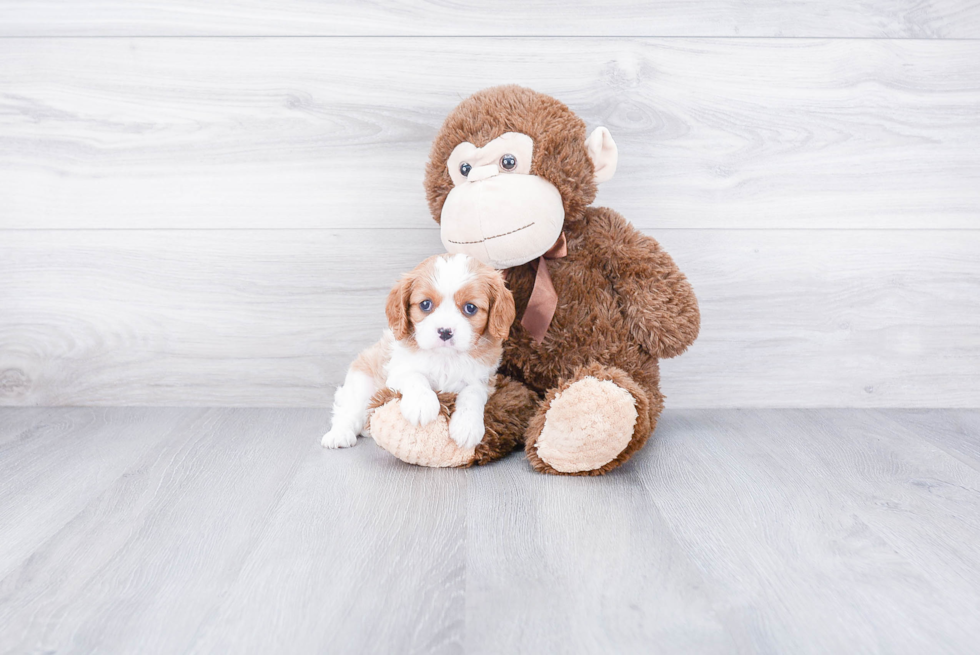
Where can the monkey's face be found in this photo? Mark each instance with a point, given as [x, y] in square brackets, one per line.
[497, 211]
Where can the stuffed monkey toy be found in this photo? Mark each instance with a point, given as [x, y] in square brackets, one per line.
[510, 179]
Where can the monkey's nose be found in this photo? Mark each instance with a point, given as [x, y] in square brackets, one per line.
[482, 172]
[445, 333]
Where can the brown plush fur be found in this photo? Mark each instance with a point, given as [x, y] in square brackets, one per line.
[506, 418]
[622, 302]
[559, 143]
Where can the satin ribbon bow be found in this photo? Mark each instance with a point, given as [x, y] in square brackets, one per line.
[543, 302]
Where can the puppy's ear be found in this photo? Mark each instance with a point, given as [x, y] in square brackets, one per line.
[396, 309]
[502, 311]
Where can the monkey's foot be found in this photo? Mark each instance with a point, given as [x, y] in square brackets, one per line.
[426, 445]
[589, 425]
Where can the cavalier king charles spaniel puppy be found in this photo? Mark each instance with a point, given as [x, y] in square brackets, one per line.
[447, 321]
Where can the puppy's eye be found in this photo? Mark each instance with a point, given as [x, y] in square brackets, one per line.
[508, 162]
[469, 309]
[425, 305]
[465, 168]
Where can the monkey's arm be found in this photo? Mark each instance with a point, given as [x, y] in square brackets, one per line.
[656, 299]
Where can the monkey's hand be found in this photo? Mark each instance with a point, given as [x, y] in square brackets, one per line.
[654, 296]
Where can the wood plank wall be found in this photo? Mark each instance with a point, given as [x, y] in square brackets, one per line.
[204, 203]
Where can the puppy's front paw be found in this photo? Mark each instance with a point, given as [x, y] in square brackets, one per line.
[466, 428]
[420, 407]
[339, 438]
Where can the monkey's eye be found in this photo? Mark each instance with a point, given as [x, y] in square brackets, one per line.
[508, 162]
[469, 309]
[425, 305]
[465, 168]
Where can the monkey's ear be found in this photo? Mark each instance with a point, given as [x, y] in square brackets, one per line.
[396, 309]
[603, 153]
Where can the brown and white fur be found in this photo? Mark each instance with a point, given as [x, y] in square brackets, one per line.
[447, 321]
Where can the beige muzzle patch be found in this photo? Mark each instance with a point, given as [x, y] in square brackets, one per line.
[502, 220]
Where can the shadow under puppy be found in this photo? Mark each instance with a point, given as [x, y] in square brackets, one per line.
[447, 321]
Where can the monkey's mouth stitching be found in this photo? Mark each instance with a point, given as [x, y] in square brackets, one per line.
[467, 243]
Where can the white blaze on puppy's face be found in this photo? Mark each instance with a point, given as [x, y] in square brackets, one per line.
[438, 319]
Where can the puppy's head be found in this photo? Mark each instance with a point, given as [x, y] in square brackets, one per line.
[450, 301]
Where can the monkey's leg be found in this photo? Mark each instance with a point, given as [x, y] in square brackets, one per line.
[592, 422]
[506, 417]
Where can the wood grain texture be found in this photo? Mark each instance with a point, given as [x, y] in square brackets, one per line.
[829, 319]
[821, 318]
[900, 472]
[820, 515]
[15, 424]
[838, 18]
[45, 484]
[185, 317]
[330, 133]
[365, 554]
[783, 531]
[567, 565]
[165, 535]
[956, 432]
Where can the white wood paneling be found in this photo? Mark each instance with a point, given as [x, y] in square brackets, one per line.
[838, 18]
[312, 133]
[790, 317]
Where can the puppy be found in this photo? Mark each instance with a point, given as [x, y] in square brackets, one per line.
[447, 321]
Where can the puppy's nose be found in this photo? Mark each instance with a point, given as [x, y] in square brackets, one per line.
[445, 333]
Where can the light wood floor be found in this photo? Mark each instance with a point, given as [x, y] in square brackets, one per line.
[231, 530]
